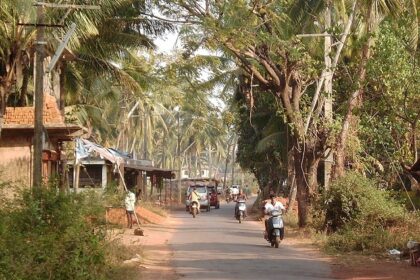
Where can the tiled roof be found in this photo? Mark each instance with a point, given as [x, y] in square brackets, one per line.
[25, 115]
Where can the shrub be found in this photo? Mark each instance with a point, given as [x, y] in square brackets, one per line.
[361, 217]
[52, 236]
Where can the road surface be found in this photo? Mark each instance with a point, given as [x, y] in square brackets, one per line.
[215, 246]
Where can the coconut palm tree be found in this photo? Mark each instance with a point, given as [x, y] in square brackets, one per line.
[371, 13]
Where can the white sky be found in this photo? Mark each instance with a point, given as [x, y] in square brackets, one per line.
[167, 44]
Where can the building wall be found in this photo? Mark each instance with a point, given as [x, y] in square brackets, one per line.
[15, 159]
[185, 174]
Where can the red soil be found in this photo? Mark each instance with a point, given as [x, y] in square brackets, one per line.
[118, 216]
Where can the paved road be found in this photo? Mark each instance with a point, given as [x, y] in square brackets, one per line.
[215, 246]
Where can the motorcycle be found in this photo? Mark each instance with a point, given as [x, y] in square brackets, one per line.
[194, 208]
[275, 229]
[228, 198]
[241, 210]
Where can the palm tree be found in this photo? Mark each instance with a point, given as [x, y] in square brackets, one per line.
[16, 49]
[372, 12]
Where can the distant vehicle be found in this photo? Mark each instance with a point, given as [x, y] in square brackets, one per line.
[214, 198]
[204, 194]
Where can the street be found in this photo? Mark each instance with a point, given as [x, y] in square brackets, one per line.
[215, 246]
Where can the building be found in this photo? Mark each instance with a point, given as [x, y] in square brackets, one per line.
[16, 142]
[96, 167]
[203, 172]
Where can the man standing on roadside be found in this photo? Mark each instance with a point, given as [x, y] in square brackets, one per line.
[130, 200]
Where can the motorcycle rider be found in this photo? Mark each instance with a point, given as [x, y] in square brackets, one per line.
[241, 196]
[228, 194]
[194, 197]
[271, 205]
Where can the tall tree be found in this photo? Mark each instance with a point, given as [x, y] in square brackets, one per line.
[260, 38]
[371, 13]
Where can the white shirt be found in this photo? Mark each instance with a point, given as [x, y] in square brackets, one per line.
[130, 200]
[270, 207]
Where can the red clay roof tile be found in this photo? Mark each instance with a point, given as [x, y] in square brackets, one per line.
[25, 115]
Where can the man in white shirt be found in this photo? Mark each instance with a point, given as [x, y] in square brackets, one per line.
[272, 205]
[130, 200]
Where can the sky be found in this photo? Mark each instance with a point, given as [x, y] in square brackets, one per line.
[167, 44]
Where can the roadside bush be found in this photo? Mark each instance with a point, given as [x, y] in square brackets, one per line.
[361, 217]
[113, 196]
[52, 236]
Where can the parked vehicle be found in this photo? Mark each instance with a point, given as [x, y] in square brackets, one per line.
[240, 210]
[275, 228]
[194, 209]
[204, 197]
[214, 196]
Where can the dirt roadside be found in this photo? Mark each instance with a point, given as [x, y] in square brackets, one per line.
[360, 267]
[150, 254]
[357, 267]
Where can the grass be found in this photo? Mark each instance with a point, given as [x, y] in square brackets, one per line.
[118, 253]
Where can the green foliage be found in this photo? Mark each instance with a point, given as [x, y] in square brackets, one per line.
[262, 140]
[52, 235]
[362, 217]
[112, 195]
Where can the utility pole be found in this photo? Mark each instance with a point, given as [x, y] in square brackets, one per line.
[233, 160]
[39, 98]
[226, 164]
[327, 75]
[328, 160]
[39, 80]
[145, 155]
[179, 158]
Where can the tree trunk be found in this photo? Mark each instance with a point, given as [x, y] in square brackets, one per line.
[306, 166]
[233, 161]
[4, 91]
[24, 88]
[198, 161]
[210, 162]
[292, 194]
[302, 196]
[151, 187]
[226, 164]
[414, 140]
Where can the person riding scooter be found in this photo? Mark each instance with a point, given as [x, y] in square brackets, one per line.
[241, 196]
[270, 206]
[195, 197]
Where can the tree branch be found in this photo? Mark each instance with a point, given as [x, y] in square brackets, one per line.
[169, 20]
[246, 63]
